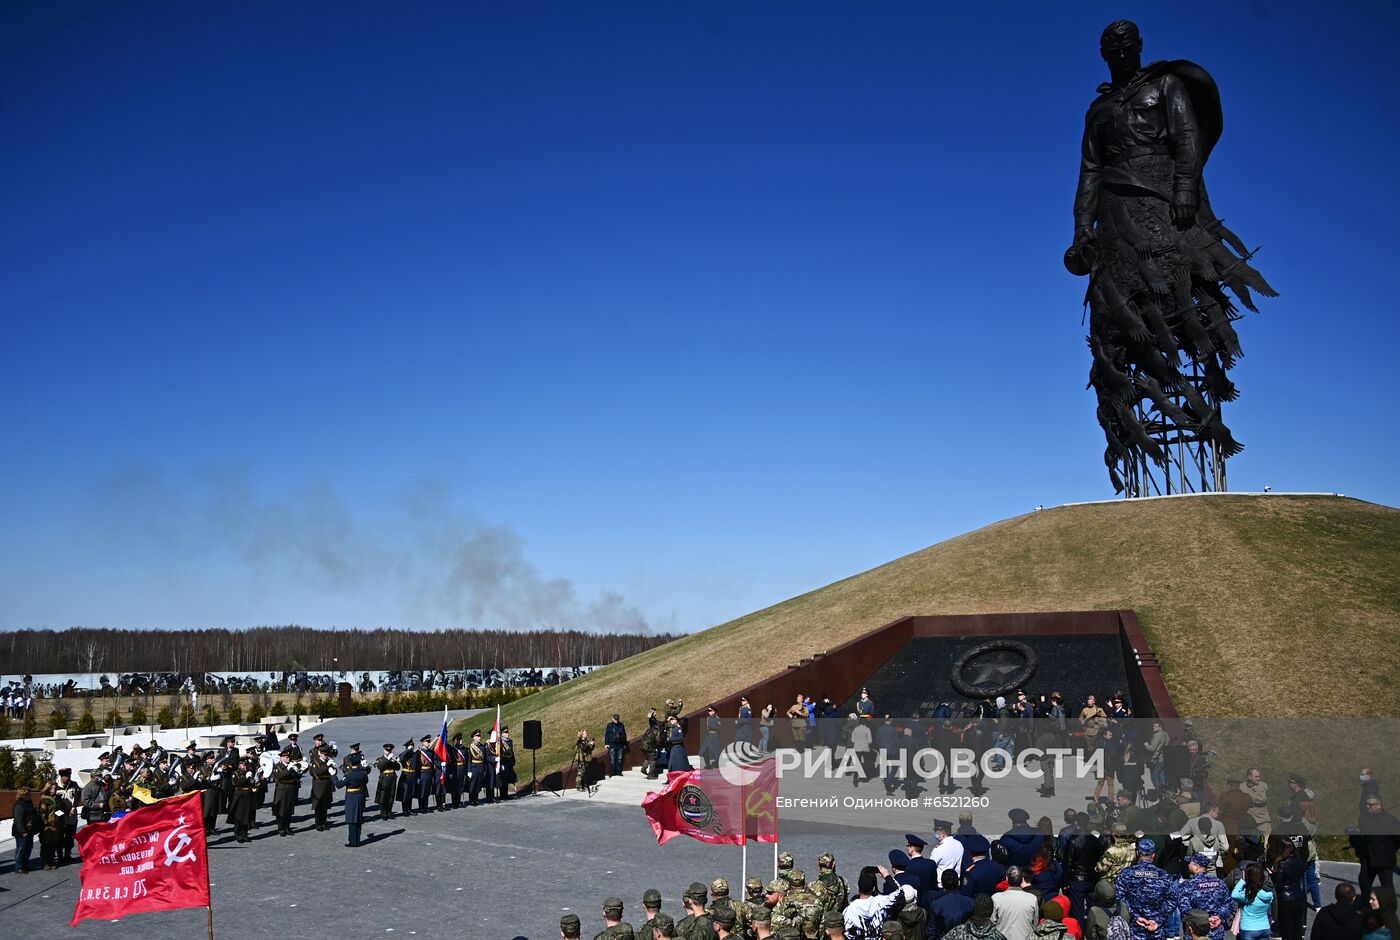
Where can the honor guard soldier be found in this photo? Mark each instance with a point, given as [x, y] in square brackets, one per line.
[476, 768]
[287, 783]
[408, 778]
[322, 784]
[356, 782]
[456, 769]
[505, 748]
[293, 747]
[388, 767]
[428, 781]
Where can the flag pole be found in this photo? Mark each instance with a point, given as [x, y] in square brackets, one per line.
[211, 920]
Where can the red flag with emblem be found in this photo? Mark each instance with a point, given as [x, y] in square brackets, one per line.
[725, 806]
[152, 859]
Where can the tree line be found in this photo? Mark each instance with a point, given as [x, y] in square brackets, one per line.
[293, 648]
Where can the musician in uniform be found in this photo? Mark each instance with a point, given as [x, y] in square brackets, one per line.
[242, 812]
[293, 747]
[70, 795]
[260, 790]
[212, 796]
[356, 783]
[505, 748]
[227, 761]
[456, 769]
[322, 783]
[408, 777]
[284, 798]
[476, 768]
[388, 767]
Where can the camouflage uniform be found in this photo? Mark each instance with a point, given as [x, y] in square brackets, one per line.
[719, 891]
[830, 888]
[612, 907]
[785, 863]
[1210, 894]
[696, 926]
[805, 907]
[1149, 892]
[1118, 857]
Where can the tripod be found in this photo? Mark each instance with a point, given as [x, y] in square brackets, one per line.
[534, 787]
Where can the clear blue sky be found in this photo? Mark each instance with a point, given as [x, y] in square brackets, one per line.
[385, 314]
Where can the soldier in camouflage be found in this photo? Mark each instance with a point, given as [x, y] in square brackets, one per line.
[719, 892]
[830, 888]
[616, 929]
[1203, 891]
[696, 924]
[724, 923]
[801, 899]
[761, 919]
[570, 927]
[1118, 856]
[1149, 892]
[784, 864]
[651, 903]
[663, 927]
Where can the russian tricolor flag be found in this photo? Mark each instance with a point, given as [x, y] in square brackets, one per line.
[440, 748]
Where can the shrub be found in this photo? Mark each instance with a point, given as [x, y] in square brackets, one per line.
[31, 725]
[4, 725]
[212, 716]
[278, 707]
[138, 715]
[187, 716]
[7, 768]
[60, 715]
[165, 717]
[87, 723]
[113, 719]
[235, 714]
[256, 711]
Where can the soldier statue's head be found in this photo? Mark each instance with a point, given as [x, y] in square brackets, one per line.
[1121, 47]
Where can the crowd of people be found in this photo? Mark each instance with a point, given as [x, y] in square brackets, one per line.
[1099, 877]
[420, 777]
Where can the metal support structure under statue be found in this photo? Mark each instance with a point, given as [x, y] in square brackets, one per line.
[1191, 463]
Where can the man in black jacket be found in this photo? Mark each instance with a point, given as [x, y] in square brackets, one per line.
[615, 738]
[1082, 853]
[24, 827]
[1340, 920]
[1376, 840]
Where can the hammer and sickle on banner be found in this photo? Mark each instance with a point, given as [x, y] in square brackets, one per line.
[760, 804]
[180, 851]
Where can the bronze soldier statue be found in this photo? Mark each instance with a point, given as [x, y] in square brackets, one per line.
[1158, 259]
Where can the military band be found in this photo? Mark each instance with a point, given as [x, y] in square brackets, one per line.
[236, 785]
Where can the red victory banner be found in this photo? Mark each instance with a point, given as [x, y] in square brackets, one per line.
[152, 859]
[726, 806]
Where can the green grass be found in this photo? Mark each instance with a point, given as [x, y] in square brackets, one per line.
[1242, 597]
